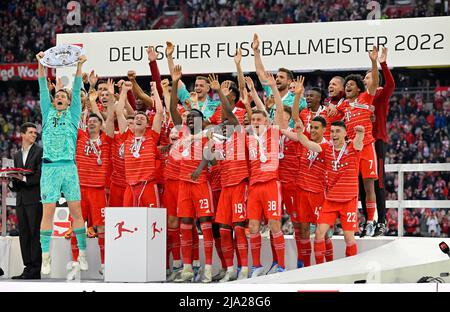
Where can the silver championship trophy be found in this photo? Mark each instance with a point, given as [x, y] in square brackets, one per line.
[62, 55]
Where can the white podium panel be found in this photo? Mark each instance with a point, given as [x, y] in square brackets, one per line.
[135, 244]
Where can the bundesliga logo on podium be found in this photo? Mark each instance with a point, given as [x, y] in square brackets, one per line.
[135, 239]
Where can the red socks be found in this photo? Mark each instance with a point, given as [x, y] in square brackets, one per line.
[101, 244]
[242, 246]
[173, 241]
[319, 250]
[74, 245]
[297, 242]
[371, 207]
[351, 250]
[255, 247]
[227, 246]
[186, 242]
[218, 244]
[328, 249]
[305, 252]
[274, 252]
[278, 244]
[208, 241]
[195, 244]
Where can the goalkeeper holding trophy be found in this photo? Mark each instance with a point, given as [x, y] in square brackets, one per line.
[60, 118]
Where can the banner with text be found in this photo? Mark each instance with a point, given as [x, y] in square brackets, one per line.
[313, 46]
[22, 71]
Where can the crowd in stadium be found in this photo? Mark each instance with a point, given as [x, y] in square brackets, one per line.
[30, 26]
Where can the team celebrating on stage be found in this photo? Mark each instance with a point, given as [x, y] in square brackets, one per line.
[226, 166]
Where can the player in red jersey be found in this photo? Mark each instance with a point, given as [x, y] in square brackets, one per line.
[264, 196]
[379, 132]
[314, 100]
[169, 201]
[288, 173]
[310, 198]
[356, 110]
[336, 93]
[140, 153]
[118, 182]
[341, 197]
[194, 197]
[232, 161]
[230, 91]
[93, 160]
[216, 188]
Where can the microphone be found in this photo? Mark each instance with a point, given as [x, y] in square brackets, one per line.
[445, 249]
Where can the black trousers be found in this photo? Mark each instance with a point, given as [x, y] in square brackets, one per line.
[29, 217]
[380, 148]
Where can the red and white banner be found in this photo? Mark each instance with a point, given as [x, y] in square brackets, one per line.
[22, 71]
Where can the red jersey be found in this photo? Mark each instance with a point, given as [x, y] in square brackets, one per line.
[166, 127]
[312, 169]
[216, 118]
[92, 158]
[172, 162]
[263, 155]
[233, 159]
[118, 160]
[191, 149]
[160, 162]
[289, 165]
[214, 178]
[306, 116]
[358, 113]
[381, 103]
[331, 119]
[342, 169]
[140, 156]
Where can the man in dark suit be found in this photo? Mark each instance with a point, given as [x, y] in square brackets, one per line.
[28, 202]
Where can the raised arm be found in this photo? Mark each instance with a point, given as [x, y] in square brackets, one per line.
[121, 120]
[75, 103]
[389, 85]
[225, 88]
[169, 54]
[165, 84]
[174, 113]
[279, 120]
[157, 121]
[240, 73]
[131, 100]
[259, 67]
[303, 139]
[93, 103]
[41, 69]
[156, 76]
[226, 107]
[245, 98]
[259, 104]
[93, 78]
[109, 123]
[359, 138]
[299, 90]
[137, 90]
[372, 88]
[44, 95]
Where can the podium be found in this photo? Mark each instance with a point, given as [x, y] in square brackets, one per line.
[135, 244]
